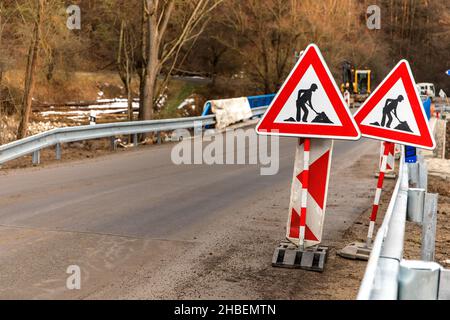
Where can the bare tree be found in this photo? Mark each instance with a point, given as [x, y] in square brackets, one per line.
[31, 71]
[160, 51]
[126, 63]
[5, 16]
[2, 9]
[271, 31]
[1, 37]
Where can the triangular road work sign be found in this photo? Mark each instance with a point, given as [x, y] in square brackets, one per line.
[394, 112]
[309, 104]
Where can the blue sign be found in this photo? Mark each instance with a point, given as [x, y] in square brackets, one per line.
[410, 154]
[427, 107]
[448, 72]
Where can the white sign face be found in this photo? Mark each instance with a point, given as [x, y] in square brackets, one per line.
[319, 102]
[309, 104]
[394, 112]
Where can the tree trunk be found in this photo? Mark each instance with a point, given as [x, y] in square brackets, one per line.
[130, 105]
[141, 75]
[129, 75]
[156, 19]
[1, 64]
[125, 65]
[30, 73]
[149, 92]
[152, 66]
[142, 61]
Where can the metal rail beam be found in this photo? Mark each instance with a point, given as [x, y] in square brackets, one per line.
[380, 278]
[59, 136]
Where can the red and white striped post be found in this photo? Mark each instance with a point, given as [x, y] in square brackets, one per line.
[347, 98]
[305, 183]
[376, 202]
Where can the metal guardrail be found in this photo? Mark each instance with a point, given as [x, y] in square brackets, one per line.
[388, 276]
[259, 111]
[384, 269]
[58, 136]
[380, 279]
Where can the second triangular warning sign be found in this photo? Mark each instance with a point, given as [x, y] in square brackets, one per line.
[394, 111]
[309, 104]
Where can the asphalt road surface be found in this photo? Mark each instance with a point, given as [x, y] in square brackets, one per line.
[119, 216]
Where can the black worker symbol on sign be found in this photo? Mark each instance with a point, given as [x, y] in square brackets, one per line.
[304, 103]
[389, 112]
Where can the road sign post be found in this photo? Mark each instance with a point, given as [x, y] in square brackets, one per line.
[309, 106]
[347, 98]
[376, 203]
[309, 186]
[360, 250]
[312, 256]
[303, 210]
[392, 114]
[390, 165]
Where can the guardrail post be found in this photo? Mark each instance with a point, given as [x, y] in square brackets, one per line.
[58, 151]
[429, 227]
[135, 140]
[158, 135]
[444, 285]
[413, 169]
[418, 280]
[37, 157]
[423, 174]
[198, 128]
[416, 199]
[385, 286]
[113, 144]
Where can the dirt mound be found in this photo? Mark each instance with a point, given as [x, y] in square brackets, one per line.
[439, 185]
[413, 234]
[322, 118]
[403, 127]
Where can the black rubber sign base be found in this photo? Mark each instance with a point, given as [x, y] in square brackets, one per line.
[288, 255]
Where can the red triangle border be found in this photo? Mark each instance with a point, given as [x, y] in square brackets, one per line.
[401, 71]
[348, 130]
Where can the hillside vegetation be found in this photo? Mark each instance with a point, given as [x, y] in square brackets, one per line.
[132, 48]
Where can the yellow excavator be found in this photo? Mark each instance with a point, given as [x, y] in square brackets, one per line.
[356, 81]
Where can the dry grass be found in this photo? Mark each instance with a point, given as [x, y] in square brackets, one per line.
[83, 86]
[74, 86]
[413, 235]
[87, 85]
